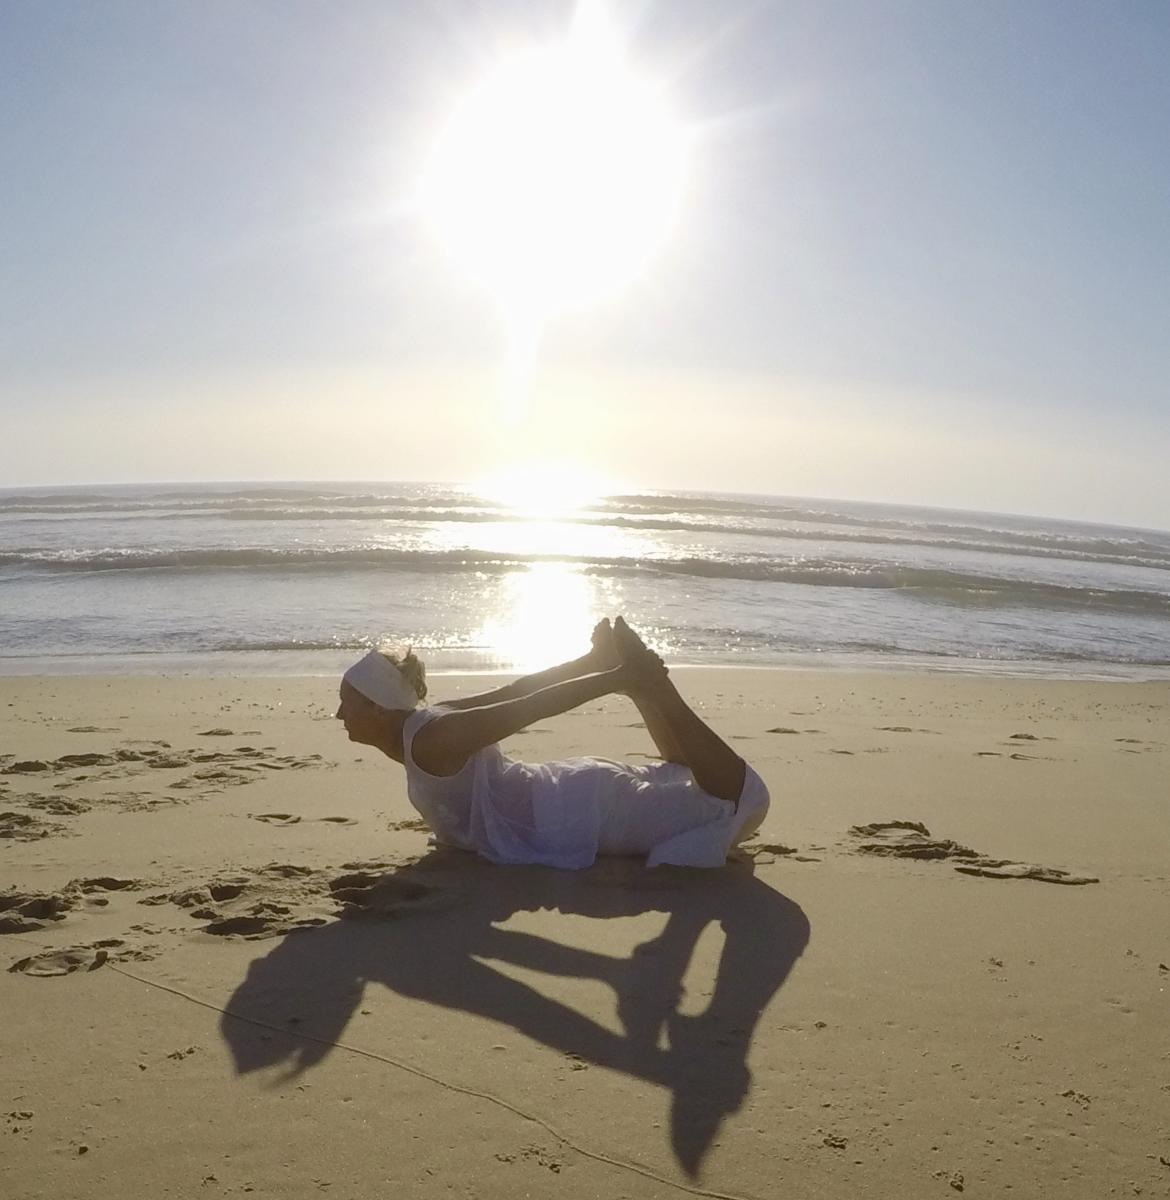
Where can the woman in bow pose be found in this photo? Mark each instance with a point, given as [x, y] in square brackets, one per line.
[688, 810]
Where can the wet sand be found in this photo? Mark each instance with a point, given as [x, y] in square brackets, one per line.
[943, 965]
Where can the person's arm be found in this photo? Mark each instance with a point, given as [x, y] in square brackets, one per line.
[527, 684]
[444, 744]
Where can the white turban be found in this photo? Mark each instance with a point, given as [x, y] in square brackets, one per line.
[378, 679]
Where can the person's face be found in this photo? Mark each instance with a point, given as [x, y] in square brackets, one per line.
[359, 715]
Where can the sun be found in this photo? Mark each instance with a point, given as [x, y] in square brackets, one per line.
[558, 176]
[543, 489]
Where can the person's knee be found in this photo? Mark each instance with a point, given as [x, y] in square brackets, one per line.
[726, 784]
[753, 803]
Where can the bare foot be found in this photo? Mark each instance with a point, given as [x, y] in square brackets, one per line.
[604, 652]
[647, 670]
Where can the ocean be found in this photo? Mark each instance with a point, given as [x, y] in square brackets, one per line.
[297, 577]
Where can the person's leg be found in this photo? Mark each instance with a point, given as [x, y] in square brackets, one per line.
[605, 654]
[717, 768]
[659, 729]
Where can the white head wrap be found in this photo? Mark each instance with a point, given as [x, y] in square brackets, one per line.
[378, 679]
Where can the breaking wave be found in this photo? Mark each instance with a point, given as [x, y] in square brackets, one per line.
[923, 583]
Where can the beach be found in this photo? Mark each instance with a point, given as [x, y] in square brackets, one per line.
[976, 1005]
[824, 345]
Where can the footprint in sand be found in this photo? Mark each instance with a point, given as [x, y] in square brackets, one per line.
[258, 902]
[213, 770]
[62, 962]
[1010, 870]
[21, 827]
[192, 898]
[765, 853]
[912, 839]
[94, 893]
[27, 766]
[369, 894]
[88, 957]
[261, 924]
[413, 825]
[542, 1157]
[292, 819]
[23, 912]
[72, 761]
[106, 883]
[906, 839]
[61, 806]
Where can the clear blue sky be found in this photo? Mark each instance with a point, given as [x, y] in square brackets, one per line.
[924, 255]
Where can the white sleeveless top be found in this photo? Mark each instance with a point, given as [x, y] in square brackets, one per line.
[565, 813]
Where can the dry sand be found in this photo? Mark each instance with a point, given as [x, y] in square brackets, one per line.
[812, 1021]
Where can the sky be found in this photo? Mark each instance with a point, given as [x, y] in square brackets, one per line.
[921, 253]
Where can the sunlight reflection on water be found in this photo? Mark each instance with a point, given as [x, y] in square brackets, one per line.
[544, 616]
[542, 536]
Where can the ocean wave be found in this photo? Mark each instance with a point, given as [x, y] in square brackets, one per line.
[306, 644]
[682, 512]
[177, 504]
[680, 505]
[1128, 552]
[1075, 540]
[923, 583]
[244, 558]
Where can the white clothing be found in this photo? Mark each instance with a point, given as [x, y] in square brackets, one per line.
[378, 679]
[565, 813]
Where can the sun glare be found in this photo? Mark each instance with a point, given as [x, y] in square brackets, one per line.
[558, 176]
[547, 490]
[544, 617]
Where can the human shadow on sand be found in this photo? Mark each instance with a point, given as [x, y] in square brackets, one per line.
[451, 907]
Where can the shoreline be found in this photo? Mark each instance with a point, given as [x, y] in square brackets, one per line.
[284, 664]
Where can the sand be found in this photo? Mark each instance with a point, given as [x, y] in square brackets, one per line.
[838, 1014]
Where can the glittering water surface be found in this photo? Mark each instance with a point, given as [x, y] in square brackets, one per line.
[131, 578]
